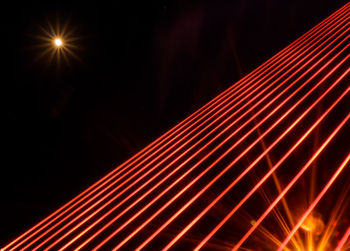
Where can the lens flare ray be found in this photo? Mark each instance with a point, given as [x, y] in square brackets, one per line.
[265, 137]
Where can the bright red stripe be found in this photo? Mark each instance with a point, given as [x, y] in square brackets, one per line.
[154, 149]
[343, 240]
[317, 199]
[273, 169]
[294, 180]
[182, 209]
[91, 208]
[221, 143]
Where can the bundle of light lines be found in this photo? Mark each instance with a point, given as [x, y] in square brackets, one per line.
[263, 166]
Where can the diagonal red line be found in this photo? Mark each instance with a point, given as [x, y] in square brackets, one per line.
[317, 199]
[272, 170]
[205, 157]
[101, 192]
[50, 236]
[294, 180]
[94, 188]
[343, 240]
[182, 209]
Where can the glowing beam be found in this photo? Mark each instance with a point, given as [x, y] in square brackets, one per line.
[225, 109]
[343, 240]
[230, 165]
[158, 156]
[149, 171]
[256, 187]
[293, 181]
[187, 160]
[291, 95]
[315, 202]
[176, 137]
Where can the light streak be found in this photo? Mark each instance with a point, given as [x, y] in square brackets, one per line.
[159, 156]
[134, 175]
[335, 218]
[148, 172]
[256, 187]
[161, 162]
[294, 180]
[114, 173]
[213, 180]
[199, 176]
[174, 131]
[226, 190]
[317, 199]
[256, 161]
[343, 240]
[99, 184]
[174, 183]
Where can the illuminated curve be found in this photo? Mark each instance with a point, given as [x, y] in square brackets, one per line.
[263, 166]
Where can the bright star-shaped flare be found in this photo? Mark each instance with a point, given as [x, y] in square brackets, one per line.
[58, 42]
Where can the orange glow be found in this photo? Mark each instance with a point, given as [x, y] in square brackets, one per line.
[58, 42]
[156, 190]
[314, 224]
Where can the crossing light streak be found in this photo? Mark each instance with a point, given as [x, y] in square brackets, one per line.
[248, 168]
[222, 194]
[108, 194]
[294, 180]
[343, 240]
[163, 208]
[128, 163]
[256, 187]
[161, 196]
[313, 224]
[318, 198]
[174, 183]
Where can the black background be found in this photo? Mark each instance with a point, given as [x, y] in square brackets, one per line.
[144, 66]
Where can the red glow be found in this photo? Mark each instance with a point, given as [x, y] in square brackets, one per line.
[318, 198]
[343, 240]
[282, 84]
[294, 180]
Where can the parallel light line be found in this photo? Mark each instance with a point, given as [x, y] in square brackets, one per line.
[130, 180]
[271, 171]
[317, 199]
[47, 239]
[202, 159]
[242, 138]
[343, 240]
[294, 180]
[247, 149]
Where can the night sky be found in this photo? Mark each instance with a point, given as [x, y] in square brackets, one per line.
[142, 67]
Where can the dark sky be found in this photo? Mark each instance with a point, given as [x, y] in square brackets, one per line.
[144, 66]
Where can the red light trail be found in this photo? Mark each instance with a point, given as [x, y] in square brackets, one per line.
[293, 182]
[343, 240]
[188, 187]
[201, 159]
[318, 198]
